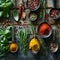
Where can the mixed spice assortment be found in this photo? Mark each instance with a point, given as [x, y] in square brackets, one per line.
[32, 18]
[33, 4]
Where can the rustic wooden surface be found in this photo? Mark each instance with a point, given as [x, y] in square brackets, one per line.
[47, 55]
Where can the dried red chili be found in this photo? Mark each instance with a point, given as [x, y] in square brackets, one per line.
[21, 8]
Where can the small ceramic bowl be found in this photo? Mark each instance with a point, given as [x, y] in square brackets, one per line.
[33, 17]
[34, 49]
[54, 13]
[37, 7]
[14, 47]
[49, 33]
[53, 47]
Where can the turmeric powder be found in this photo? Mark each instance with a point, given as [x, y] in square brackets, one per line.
[34, 44]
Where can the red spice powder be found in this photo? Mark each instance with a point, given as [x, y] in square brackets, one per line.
[44, 29]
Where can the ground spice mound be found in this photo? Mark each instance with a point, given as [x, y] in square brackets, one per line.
[44, 29]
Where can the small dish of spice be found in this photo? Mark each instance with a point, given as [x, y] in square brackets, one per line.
[34, 45]
[13, 47]
[44, 30]
[33, 16]
[54, 13]
[53, 47]
[33, 4]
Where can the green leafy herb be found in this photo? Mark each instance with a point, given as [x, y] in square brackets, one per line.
[5, 35]
[42, 8]
[1, 12]
[15, 14]
[58, 25]
[23, 36]
[5, 6]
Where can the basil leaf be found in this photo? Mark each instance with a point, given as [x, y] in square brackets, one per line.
[1, 32]
[1, 13]
[15, 15]
[2, 1]
[9, 28]
[8, 0]
[8, 4]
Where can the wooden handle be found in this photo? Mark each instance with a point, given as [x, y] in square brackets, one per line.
[13, 33]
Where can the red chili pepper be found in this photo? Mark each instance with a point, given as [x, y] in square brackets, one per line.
[20, 12]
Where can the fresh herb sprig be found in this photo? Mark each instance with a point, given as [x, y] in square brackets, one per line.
[23, 36]
[5, 35]
[5, 6]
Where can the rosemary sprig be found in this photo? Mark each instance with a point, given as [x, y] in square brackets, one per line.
[23, 36]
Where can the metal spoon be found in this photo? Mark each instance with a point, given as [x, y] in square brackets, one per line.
[54, 49]
[13, 41]
[26, 3]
